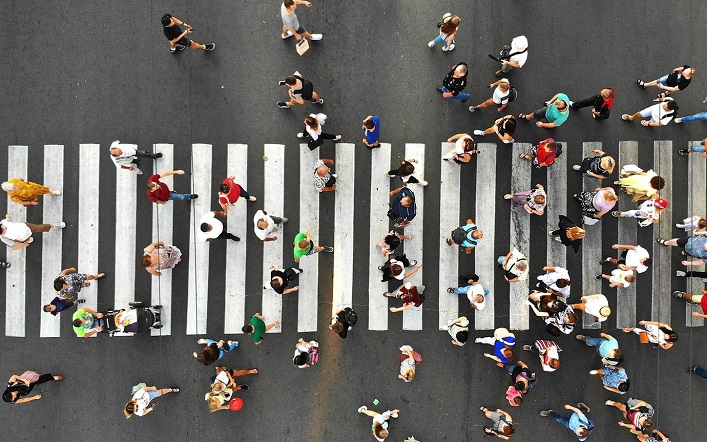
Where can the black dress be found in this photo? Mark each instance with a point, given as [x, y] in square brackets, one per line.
[564, 224]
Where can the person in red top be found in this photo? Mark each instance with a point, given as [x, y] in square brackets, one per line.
[544, 154]
[159, 192]
[700, 300]
[410, 295]
[229, 193]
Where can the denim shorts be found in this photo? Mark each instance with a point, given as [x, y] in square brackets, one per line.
[698, 147]
[662, 79]
[153, 394]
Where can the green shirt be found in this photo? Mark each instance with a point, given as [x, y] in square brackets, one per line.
[300, 253]
[554, 115]
[258, 329]
[83, 315]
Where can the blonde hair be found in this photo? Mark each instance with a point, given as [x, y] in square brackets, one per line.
[214, 403]
[610, 196]
[575, 232]
[7, 186]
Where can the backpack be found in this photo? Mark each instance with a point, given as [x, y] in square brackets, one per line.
[512, 94]
[351, 317]
[313, 356]
[460, 235]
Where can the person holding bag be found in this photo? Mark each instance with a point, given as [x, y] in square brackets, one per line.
[313, 131]
[20, 386]
[447, 31]
[409, 359]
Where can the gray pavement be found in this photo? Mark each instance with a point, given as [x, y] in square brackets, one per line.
[81, 72]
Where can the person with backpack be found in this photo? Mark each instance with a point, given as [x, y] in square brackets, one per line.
[502, 423]
[410, 295]
[636, 411]
[514, 266]
[601, 104]
[544, 154]
[503, 127]
[466, 236]
[578, 423]
[660, 114]
[523, 379]
[306, 353]
[513, 56]
[343, 321]
[502, 95]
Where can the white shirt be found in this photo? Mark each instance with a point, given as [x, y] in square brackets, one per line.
[268, 232]
[648, 207]
[381, 419]
[618, 276]
[551, 352]
[658, 112]
[594, 304]
[15, 232]
[519, 58]
[304, 348]
[515, 256]
[460, 326]
[459, 145]
[634, 257]
[143, 400]
[499, 96]
[476, 289]
[125, 158]
[216, 226]
[550, 279]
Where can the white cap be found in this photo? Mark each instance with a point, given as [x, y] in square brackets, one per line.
[519, 43]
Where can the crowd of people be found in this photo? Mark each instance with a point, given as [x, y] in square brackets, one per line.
[549, 298]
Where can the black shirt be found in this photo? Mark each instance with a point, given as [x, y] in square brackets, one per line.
[455, 85]
[341, 317]
[604, 111]
[172, 32]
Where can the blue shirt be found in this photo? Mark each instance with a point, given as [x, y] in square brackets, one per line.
[606, 346]
[408, 213]
[60, 304]
[695, 247]
[578, 420]
[468, 240]
[372, 136]
[500, 345]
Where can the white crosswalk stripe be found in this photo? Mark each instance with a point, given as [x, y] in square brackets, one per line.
[344, 204]
[696, 204]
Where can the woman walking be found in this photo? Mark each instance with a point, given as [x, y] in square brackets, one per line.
[533, 201]
[447, 32]
[569, 233]
[405, 172]
[20, 386]
[380, 421]
[655, 333]
[642, 185]
[391, 241]
[504, 128]
[213, 351]
[613, 377]
[694, 246]
[599, 166]
[464, 148]
[26, 193]
[407, 364]
[158, 257]
[142, 396]
[313, 131]
[597, 203]
[395, 268]
[502, 423]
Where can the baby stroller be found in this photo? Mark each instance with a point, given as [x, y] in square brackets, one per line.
[136, 319]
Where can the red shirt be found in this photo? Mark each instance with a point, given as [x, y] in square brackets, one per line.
[411, 296]
[159, 195]
[546, 156]
[703, 304]
[232, 196]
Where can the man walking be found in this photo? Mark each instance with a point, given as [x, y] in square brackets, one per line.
[19, 235]
[281, 278]
[304, 246]
[403, 206]
[300, 90]
[290, 23]
[125, 156]
[229, 192]
[372, 131]
[257, 328]
[324, 180]
[634, 258]
[607, 346]
[517, 56]
[455, 82]
[70, 282]
[178, 40]
[159, 192]
[466, 236]
[555, 111]
[266, 225]
[211, 228]
[579, 423]
[660, 114]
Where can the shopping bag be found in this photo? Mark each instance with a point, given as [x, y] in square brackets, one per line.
[302, 46]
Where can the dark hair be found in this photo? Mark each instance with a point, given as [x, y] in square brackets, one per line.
[618, 356]
[78, 322]
[551, 146]
[225, 188]
[554, 363]
[145, 261]
[58, 283]
[368, 123]
[291, 80]
[396, 269]
[647, 262]
[47, 308]
[208, 356]
[474, 277]
[275, 283]
[571, 318]
[300, 359]
[520, 386]
[204, 227]
[672, 105]
[248, 328]
[557, 305]
[562, 283]
[462, 336]
[518, 400]
[166, 19]
[508, 429]
[670, 335]
[7, 396]
[406, 169]
[338, 327]
[657, 182]
[288, 3]
[130, 407]
[392, 241]
[623, 386]
[509, 125]
[469, 144]
[647, 424]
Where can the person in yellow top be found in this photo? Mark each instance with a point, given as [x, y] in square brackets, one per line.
[642, 185]
[26, 192]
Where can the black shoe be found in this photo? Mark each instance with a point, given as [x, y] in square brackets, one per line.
[597, 277]
[210, 47]
[691, 369]
[137, 163]
[244, 386]
[684, 152]
[439, 89]
[80, 301]
[194, 196]
[583, 407]
[283, 105]
[180, 47]
[5, 264]
[158, 155]
[281, 83]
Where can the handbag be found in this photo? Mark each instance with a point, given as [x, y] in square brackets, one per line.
[31, 376]
[302, 46]
[415, 355]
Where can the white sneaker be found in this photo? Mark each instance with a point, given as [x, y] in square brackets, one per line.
[60, 225]
[576, 167]
[56, 192]
[288, 35]
[317, 37]
[394, 415]
[334, 175]
[431, 44]
[422, 183]
[362, 409]
[251, 198]
[479, 133]
[284, 220]
[680, 273]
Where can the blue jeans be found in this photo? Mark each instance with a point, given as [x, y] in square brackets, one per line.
[701, 371]
[179, 196]
[244, 194]
[462, 95]
[500, 260]
[439, 39]
[561, 419]
[702, 116]
[223, 350]
[594, 342]
[699, 147]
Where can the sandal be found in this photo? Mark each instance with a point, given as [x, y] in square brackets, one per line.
[523, 116]
[641, 83]
[5, 264]
[526, 156]
[449, 241]
[450, 290]
[626, 117]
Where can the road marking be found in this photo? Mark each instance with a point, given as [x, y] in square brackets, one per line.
[520, 236]
[53, 208]
[449, 219]
[125, 253]
[378, 226]
[342, 285]
[15, 289]
[198, 286]
[162, 230]
[308, 298]
[628, 234]
[484, 253]
[697, 205]
[591, 248]
[412, 318]
[89, 210]
[556, 206]
[662, 256]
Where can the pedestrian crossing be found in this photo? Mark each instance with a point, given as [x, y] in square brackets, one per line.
[348, 260]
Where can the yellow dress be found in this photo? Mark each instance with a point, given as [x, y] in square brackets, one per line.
[639, 184]
[27, 191]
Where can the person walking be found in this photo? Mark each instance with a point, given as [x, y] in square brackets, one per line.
[304, 246]
[306, 353]
[523, 379]
[653, 332]
[691, 274]
[380, 421]
[265, 225]
[544, 154]
[281, 278]
[555, 111]
[257, 328]
[178, 40]
[313, 131]
[514, 265]
[324, 180]
[290, 23]
[515, 57]
[695, 148]
[504, 128]
[613, 377]
[599, 166]
[86, 322]
[569, 233]
[548, 351]
[699, 371]
[20, 386]
[26, 193]
[61, 303]
[642, 437]
[700, 116]
[455, 82]
[692, 246]
[300, 90]
[395, 267]
[371, 131]
[448, 28]
[410, 295]
[579, 423]
[402, 208]
[70, 282]
[125, 156]
[405, 171]
[601, 104]
[19, 235]
[224, 385]
[634, 258]
[391, 241]
[211, 228]
[648, 212]
[596, 305]
[618, 278]
[158, 256]
[502, 423]
[556, 280]
[466, 237]
[343, 321]
[696, 224]
[596, 204]
[408, 363]
[636, 411]
[679, 79]
[464, 148]
[458, 329]
[214, 350]
[660, 114]
[641, 184]
[532, 201]
[159, 192]
[473, 291]
[607, 346]
[139, 404]
[501, 96]
[230, 192]
[700, 300]
[503, 343]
